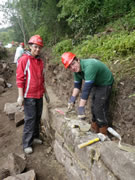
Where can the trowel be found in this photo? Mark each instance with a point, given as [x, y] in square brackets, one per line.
[127, 148]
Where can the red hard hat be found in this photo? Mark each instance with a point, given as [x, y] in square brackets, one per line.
[22, 44]
[67, 58]
[36, 39]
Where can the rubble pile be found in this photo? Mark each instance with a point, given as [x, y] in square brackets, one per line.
[3, 52]
[16, 169]
[6, 72]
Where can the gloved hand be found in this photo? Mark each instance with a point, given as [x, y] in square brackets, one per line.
[71, 103]
[81, 113]
[47, 97]
[20, 100]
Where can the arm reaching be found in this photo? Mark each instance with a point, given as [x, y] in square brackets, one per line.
[72, 100]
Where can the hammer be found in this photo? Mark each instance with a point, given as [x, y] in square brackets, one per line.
[101, 137]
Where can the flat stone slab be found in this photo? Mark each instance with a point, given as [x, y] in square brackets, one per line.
[11, 108]
[30, 175]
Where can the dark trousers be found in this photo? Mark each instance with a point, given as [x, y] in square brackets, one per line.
[100, 104]
[33, 111]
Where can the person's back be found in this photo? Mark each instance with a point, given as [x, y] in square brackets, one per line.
[19, 52]
[94, 70]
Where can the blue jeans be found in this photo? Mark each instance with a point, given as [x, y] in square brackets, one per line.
[33, 111]
[100, 104]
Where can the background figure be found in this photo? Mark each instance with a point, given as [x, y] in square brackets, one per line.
[19, 52]
[30, 83]
[97, 77]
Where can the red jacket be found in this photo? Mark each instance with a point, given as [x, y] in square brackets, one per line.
[30, 76]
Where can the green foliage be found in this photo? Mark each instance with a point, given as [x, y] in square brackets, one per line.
[55, 20]
[85, 17]
[82, 16]
[126, 22]
[45, 34]
[3, 53]
[129, 20]
[60, 48]
[30, 17]
[114, 9]
[63, 46]
[26, 17]
[106, 47]
[53, 30]
[131, 95]
[6, 36]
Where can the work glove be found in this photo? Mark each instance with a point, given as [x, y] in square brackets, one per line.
[81, 113]
[47, 97]
[71, 103]
[20, 100]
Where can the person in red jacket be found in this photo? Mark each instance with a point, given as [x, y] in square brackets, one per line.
[30, 83]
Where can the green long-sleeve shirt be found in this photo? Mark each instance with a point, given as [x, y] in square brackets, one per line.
[93, 70]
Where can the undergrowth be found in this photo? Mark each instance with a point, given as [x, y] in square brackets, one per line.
[115, 47]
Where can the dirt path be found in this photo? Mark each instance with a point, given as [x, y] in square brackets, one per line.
[42, 160]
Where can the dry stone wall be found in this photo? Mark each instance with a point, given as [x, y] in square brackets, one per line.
[99, 161]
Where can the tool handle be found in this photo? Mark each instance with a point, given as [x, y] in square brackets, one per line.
[114, 133]
[88, 143]
[60, 111]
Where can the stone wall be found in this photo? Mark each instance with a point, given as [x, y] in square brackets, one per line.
[99, 161]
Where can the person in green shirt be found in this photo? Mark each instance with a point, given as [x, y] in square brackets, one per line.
[97, 78]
